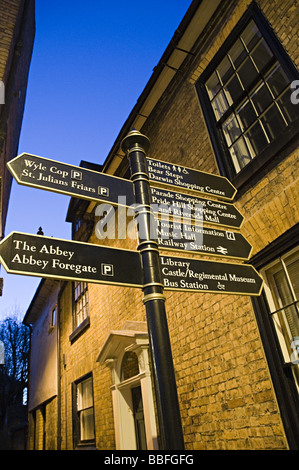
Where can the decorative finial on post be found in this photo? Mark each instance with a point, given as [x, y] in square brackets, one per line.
[132, 139]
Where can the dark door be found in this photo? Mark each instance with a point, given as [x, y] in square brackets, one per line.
[139, 418]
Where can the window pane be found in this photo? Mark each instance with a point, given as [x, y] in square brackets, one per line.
[84, 394]
[233, 89]
[240, 154]
[257, 137]
[247, 73]
[289, 110]
[77, 290]
[53, 316]
[273, 122]
[225, 69]
[277, 80]
[213, 85]
[291, 314]
[293, 272]
[86, 425]
[81, 302]
[237, 53]
[261, 98]
[129, 365]
[246, 114]
[261, 55]
[231, 129]
[251, 35]
[220, 105]
[87, 393]
[285, 297]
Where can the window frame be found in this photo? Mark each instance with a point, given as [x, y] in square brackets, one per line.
[77, 441]
[84, 292]
[281, 373]
[53, 317]
[281, 319]
[273, 152]
[78, 328]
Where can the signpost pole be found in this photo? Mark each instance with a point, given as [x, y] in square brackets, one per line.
[135, 145]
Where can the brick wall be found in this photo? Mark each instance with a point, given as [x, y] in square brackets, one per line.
[226, 395]
[17, 30]
[10, 11]
[109, 308]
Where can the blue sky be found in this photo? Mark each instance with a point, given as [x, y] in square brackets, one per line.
[91, 61]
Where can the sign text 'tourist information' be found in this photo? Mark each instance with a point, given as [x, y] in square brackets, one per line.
[189, 237]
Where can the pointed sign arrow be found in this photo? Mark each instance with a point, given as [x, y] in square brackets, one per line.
[40, 256]
[40, 172]
[170, 174]
[36, 255]
[189, 237]
[193, 275]
[181, 205]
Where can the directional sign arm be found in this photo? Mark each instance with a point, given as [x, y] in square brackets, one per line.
[40, 256]
[184, 274]
[171, 174]
[189, 237]
[44, 257]
[42, 173]
[208, 211]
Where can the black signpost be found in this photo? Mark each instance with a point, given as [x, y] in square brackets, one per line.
[189, 237]
[170, 174]
[42, 173]
[179, 205]
[41, 256]
[135, 145]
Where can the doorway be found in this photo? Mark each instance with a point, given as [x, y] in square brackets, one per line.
[138, 418]
[126, 353]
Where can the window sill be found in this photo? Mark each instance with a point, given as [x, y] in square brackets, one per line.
[85, 447]
[80, 329]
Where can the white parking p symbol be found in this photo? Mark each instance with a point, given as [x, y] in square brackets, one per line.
[76, 175]
[107, 269]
